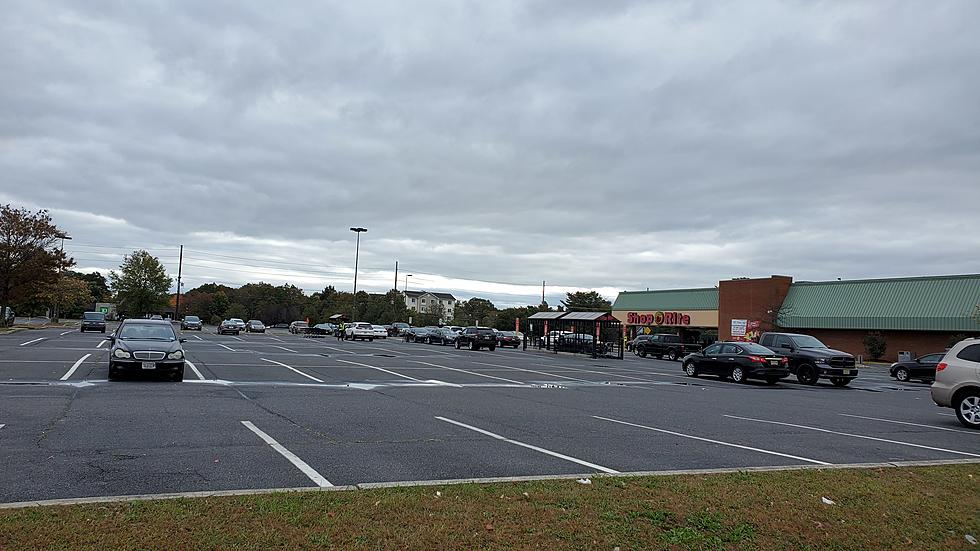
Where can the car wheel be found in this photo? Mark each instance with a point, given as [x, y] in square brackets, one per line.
[902, 374]
[492, 348]
[457, 345]
[738, 375]
[642, 353]
[840, 381]
[178, 377]
[474, 346]
[113, 375]
[967, 406]
[806, 374]
[371, 340]
[772, 380]
[672, 355]
[690, 369]
[103, 331]
[80, 330]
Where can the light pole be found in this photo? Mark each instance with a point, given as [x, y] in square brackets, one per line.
[406, 281]
[57, 309]
[357, 253]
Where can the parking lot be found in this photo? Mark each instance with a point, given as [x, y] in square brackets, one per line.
[280, 410]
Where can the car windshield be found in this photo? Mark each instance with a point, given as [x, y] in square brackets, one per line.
[484, 331]
[255, 322]
[192, 319]
[300, 324]
[752, 348]
[806, 341]
[94, 316]
[146, 332]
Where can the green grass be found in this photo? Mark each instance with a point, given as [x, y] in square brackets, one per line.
[910, 508]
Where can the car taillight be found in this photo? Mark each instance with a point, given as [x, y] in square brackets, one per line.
[757, 359]
[941, 366]
[784, 361]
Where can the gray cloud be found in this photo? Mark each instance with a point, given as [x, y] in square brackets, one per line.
[607, 145]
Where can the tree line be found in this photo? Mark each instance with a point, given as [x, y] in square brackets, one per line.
[36, 277]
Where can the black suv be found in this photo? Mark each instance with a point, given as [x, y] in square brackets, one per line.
[92, 321]
[664, 344]
[476, 338]
[810, 359]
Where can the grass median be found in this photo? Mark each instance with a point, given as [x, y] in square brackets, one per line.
[888, 508]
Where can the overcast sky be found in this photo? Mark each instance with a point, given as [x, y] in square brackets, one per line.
[596, 145]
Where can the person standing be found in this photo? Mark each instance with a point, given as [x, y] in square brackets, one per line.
[342, 331]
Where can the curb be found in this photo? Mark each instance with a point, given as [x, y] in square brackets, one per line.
[492, 480]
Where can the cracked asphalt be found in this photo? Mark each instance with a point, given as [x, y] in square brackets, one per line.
[329, 412]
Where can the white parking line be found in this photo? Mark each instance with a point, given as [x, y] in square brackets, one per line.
[538, 372]
[198, 338]
[65, 333]
[74, 367]
[911, 424]
[529, 446]
[337, 349]
[224, 346]
[101, 343]
[692, 437]
[237, 338]
[470, 372]
[382, 369]
[275, 339]
[31, 342]
[292, 368]
[284, 348]
[316, 477]
[855, 436]
[193, 367]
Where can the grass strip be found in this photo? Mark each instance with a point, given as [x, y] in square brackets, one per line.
[888, 508]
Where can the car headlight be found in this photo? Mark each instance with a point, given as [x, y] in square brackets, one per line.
[120, 353]
[822, 360]
[176, 355]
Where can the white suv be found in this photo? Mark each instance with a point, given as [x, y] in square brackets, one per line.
[957, 383]
[360, 330]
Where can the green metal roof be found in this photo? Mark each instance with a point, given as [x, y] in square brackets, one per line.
[939, 303]
[668, 300]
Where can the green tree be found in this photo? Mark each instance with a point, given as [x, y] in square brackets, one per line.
[875, 345]
[29, 257]
[97, 285]
[142, 285]
[470, 312]
[219, 305]
[505, 318]
[586, 301]
[69, 295]
[237, 310]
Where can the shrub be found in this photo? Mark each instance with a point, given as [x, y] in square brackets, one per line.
[875, 345]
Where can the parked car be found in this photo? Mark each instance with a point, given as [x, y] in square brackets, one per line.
[191, 323]
[957, 382]
[416, 334]
[457, 328]
[580, 343]
[552, 337]
[508, 338]
[359, 330]
[156, 317]
[297, 327]
[922, 368]
[398, 329]
[810, 359]
[379, 331]
[665, 344]
[739, 360]
[281, 326]
[228, 327]
[631, 344]
[476, 338]
[92, 321]
[441, 335]
[146, 345]
[254, 326]
[8, 315]
[322, 329]
[239, 322]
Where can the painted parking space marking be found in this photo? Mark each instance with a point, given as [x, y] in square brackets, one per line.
[862, 436]
[529, 446]
[74, 367]
[293, 369]
[534, 371]
[31, 342]
[237, 338]
[198, 338]
[103, 341]
[337, 349]
[226, 347]
[284, 348]
[469, 372]
[303, 466]
[382, 369]
[193, 367]
[65, 333]
[973, 432]
[719, 442]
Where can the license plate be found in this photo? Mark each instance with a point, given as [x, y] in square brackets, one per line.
[774, 362]
[848, 371]
[149, 365]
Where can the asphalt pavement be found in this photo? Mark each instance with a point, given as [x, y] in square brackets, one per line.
[278, 410]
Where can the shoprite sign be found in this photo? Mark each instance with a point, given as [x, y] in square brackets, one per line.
[658, 318]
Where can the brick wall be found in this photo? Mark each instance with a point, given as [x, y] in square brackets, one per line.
[750, 299]
[852, 341]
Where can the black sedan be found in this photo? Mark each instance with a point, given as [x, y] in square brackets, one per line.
[228, 327]
[92, 321]
[416, 334]
[508, 338]
[254, 326]
[739, 360]
[442, 336]
[146, 346]
[922, 368]
[191, 323]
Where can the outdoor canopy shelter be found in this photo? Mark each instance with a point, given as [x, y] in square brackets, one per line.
[593, 333]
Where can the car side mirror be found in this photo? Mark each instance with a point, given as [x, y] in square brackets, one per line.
[111, 339]
[182, 340]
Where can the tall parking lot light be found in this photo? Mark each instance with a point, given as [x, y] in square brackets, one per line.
[357, 253]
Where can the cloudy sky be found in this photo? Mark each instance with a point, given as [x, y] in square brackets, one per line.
[488, 146]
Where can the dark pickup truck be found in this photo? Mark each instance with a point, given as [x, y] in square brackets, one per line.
[810, 359]
[664, 344]
[476, 338]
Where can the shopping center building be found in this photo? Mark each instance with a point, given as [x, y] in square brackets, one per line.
[920, 315]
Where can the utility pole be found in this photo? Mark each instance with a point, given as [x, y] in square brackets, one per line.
[180, 268]
[57, 308]
[396, 275]
[357, 253]
[542, 292]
